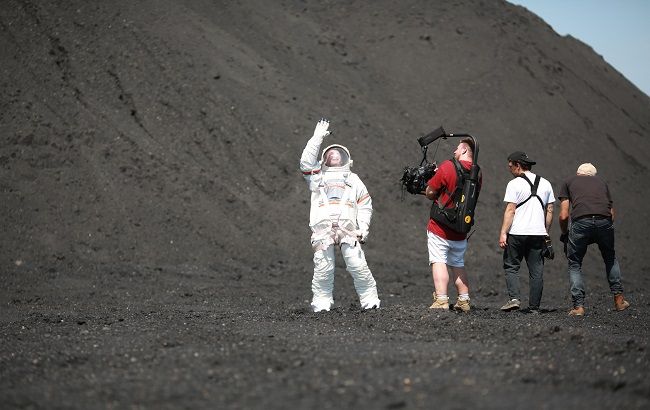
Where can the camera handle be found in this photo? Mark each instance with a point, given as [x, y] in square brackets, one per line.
[441, 133]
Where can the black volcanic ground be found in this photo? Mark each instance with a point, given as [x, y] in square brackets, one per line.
[155, 250]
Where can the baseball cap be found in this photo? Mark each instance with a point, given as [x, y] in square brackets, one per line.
[521, 157]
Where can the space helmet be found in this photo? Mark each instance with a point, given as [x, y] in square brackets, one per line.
[335, 157]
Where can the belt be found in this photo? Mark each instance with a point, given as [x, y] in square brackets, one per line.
[593, 217]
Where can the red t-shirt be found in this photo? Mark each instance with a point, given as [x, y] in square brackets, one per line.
[445, 177]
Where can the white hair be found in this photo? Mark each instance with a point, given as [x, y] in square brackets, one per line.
[587, 169]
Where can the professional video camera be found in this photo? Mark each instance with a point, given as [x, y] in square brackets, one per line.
[414, 179]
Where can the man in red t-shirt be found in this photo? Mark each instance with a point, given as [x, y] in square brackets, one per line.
[447, 247]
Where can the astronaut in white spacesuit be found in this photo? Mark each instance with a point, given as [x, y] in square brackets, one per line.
[340, 215]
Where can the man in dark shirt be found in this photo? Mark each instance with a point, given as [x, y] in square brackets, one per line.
[586, 199]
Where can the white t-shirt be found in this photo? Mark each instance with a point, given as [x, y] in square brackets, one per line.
[530, 217]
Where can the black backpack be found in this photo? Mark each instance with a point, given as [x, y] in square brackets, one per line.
[458, 213]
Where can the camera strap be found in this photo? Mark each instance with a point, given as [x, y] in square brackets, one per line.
[424, 157]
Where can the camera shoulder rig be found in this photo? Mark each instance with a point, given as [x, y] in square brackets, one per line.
[460, 216]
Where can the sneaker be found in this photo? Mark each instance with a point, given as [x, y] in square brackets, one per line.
[439, 304]
[577, 311]
[512, 304]
[462, 306]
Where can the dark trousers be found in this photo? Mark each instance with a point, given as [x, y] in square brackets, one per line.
[582, 233]
[530, 247]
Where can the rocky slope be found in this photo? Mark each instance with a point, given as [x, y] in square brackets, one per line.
[150, 154]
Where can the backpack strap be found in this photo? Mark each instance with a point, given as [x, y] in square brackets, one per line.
[533, 190]
[460, 180]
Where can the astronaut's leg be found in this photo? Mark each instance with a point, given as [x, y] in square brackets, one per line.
[322, 284]
[364, 282]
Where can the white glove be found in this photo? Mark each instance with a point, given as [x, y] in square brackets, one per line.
[321, 129]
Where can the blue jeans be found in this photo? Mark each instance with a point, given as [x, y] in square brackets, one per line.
[529, 247]
[584, 232]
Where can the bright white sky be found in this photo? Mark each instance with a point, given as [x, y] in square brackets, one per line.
[618, 30]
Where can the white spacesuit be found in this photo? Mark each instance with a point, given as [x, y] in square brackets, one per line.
[340, 214]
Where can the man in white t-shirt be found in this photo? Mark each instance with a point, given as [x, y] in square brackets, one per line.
[526, 223]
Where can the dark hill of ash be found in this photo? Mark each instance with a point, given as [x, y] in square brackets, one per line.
[149, 152]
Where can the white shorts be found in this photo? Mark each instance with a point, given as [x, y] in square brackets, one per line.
[445, 251]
